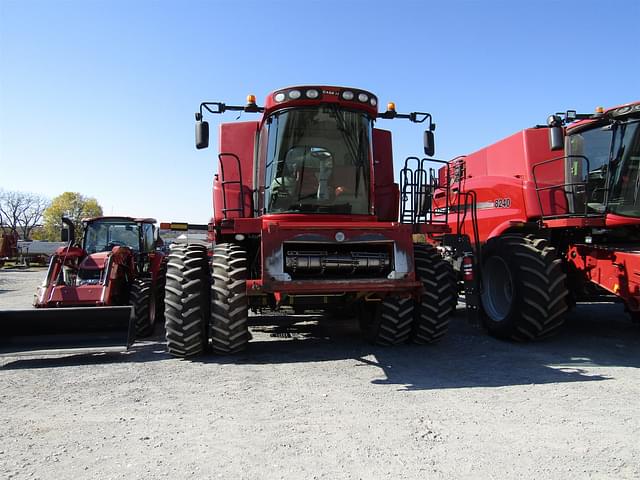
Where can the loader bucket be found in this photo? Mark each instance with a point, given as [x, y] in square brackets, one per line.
[42, 329]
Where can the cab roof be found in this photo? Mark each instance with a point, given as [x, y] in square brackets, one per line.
[120, 218]
[621, 110]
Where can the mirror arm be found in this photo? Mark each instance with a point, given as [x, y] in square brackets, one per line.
[415, 117]
[220, 107]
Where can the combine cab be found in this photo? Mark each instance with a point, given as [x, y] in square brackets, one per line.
[108, 292]
[305, 217]
[556, 219]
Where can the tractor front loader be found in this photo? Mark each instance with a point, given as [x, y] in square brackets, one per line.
[105, 293]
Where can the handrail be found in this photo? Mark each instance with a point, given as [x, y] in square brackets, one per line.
[565, 188]
[224, 183]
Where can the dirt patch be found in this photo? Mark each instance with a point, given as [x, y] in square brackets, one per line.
[311, 400]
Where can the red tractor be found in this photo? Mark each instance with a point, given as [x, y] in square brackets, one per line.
[305, 217]
[115, 281]
[554, 216]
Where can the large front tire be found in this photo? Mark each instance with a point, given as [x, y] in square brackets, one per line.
[524, 295]
[438, 300]
[187, 300]
[228, 325]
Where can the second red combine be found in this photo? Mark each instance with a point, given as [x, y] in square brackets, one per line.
[554, 212]
[305, 218]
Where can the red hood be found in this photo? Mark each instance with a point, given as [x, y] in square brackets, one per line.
[95, 261]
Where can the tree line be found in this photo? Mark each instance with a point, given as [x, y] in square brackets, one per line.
[35, 217]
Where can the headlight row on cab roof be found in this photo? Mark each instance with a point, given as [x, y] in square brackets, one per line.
[313, 93]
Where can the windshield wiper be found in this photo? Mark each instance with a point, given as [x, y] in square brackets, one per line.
[343, 208]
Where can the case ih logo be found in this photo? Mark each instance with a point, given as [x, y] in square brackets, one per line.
[330, 92]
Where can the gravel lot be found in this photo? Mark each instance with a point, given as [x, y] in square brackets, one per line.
[311, 400]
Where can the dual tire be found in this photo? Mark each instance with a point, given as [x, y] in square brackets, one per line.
[206, 306]
[396, 320]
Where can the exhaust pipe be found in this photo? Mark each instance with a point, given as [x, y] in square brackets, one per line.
[68, 234]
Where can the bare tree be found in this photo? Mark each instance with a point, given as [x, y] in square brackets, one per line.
[20, 212]
[3, 221]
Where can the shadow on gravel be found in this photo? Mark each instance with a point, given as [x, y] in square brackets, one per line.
[595, 335]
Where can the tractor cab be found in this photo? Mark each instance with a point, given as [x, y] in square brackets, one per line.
[104, 233]
[612, 145]
[602, 161]
[107, 240]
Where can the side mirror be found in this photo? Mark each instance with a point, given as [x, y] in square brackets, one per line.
[429, 143]
[202, 134]
[556, 138]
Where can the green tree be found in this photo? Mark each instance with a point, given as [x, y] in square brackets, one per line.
[70, 204]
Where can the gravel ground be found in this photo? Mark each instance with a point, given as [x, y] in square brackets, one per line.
[311, 400]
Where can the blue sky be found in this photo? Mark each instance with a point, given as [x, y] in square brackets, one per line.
[98, 96]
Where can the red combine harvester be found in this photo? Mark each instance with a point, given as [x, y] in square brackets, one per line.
[305, 217]
[114, 283]
[552, 227]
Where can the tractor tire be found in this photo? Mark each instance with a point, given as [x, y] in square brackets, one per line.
[228, 324]
[187, 300]
[437, 303]
[142, 299]
[524, 295]
[387, 322]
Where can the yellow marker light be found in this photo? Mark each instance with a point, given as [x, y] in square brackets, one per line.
[391, 107]
[251, 99]
[616, 288]
[599, 109]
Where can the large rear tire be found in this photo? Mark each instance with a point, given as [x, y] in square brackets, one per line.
[524, 295]
[142, 300]
[228, 325]
[437, 303]
[187, 300]
[387, 322]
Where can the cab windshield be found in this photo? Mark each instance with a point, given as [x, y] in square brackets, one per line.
[316, 161]
[102, 236]
[624, 184]
[613, 180]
